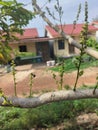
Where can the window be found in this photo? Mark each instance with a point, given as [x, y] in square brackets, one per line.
[61, 44]
[22, 48]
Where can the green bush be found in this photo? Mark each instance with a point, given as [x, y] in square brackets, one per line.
[45, 116]
[26, 54]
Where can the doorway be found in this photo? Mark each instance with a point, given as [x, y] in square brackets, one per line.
[43, 49]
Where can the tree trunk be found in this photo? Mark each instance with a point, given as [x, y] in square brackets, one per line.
[50, 97]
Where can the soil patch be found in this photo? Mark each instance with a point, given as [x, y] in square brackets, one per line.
[43, 80]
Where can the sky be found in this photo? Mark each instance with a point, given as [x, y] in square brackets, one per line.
[69, 7]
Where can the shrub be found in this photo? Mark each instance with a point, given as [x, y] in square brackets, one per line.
[45, 116]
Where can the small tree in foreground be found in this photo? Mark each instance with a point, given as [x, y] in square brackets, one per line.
[13, 17]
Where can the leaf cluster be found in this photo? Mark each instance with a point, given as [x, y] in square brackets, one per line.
[12, 18]
[58, 10]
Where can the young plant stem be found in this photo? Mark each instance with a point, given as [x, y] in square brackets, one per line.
[31, 83]
[94, 91]
[61, 75]
[78, 71]
[14, 77]
[96, 85]
[77, 18]
[83, 42]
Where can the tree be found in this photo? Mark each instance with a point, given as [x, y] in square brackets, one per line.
[57, 95]
[12, 18]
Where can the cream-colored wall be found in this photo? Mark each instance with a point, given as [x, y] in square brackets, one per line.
[30, 46]
[93, 35]
[13, 46]
[61, 52]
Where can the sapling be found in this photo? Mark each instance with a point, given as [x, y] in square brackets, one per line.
[14, 76]
[60, 81]
[83, 42]
[32, 76]
[77, 18]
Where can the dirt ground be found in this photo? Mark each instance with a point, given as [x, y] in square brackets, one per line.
[43, 80]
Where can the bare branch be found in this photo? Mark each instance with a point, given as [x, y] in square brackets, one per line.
[71, 41]
[50, 97]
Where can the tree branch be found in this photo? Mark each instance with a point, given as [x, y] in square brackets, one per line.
[50, 97]
[71, 41]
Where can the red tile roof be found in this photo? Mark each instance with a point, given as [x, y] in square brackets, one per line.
[28, 33]
[68, 29]
[95, 23]
[39, 39]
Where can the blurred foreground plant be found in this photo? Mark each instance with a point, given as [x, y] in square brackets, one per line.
[14, 76]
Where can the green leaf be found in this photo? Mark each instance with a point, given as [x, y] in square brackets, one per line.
[6, 3]
[81, 73]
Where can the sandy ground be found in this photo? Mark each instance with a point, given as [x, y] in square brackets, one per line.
[43, 80]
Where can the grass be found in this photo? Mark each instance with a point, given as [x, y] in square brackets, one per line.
[46, 116]
[70, 66]
[26, 54]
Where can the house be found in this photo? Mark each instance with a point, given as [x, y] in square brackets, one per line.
[52, 45]
[61, 47]
[24, 42]
[30, 41]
